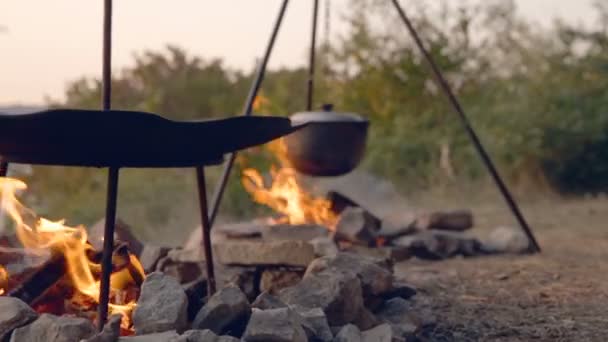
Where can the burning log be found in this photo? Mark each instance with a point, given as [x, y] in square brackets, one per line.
[32, 288]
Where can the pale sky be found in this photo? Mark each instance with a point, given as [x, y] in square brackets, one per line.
[46, 43]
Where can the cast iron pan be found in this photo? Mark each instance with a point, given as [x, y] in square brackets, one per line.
[129, 139]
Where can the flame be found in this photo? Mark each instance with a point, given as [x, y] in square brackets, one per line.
[3, 279]
[285, 195]
[39, 233]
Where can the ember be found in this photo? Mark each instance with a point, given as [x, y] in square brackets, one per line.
[72, 245]
[286, 196]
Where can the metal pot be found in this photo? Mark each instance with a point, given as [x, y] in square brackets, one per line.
[331, 144]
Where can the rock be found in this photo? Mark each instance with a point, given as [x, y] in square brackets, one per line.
[401, 290]
[273, 280]
[226, 338]
[238, 230]
[357, 226]
[337, 293]
[110, 332]
[391, 231]
[391, 254]
[398, 313]
[14, 314]
[226, 312]
[245, 278]
[375, 279]
[196, 336]
[435, 245]
[348, 333]
[266, 301]
[122, 232]
[455, 221]
[49, 328]
[324, 246]
[365, 319]
[275, 325]
[174, 265]
[150, 255]
[381, 333]
[316, 321]
[195, 292]
[258, 252]
[166, 336]
[160, 291]
[507, 240]
[301, 232]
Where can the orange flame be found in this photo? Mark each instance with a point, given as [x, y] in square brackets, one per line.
[3, 279]
[285, 195]
[39, 233]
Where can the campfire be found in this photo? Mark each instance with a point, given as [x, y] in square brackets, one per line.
[285, 195]
[67, 281]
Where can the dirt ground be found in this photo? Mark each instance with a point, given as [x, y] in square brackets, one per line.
[559, 295]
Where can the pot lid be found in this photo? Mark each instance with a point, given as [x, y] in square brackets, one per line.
[325, 115]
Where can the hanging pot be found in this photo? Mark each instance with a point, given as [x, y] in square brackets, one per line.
[331, 143]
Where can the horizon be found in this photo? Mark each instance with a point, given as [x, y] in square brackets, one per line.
[72, 45]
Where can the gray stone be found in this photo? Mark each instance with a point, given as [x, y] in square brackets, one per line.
[391, 231]
[455, 221]
[275, 325]
[162, 305]
[122, 232]
[357, 226]
[398, 313]
[348, 333]
[392, 254]
[316, 321]
[366, 319]
[110, 332]
[49, 328]
[301, 232]
[245, 278]
[273, 280]
[231, 230]
[14, 314]
[507, 240]
[375, 279]
[226, 312]
[381, 333]
[436, 245]
[196, 336]
[259, 252]
[167, 336]
[324, 246]
[266, 301]
[337, 293]
[196, 291]
[150, 255]
[183, 272]
[401, 290]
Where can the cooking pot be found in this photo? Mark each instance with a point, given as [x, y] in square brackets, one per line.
[330, 143]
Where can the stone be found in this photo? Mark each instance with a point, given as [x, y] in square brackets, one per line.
[507, 240]
[226, 312]
[122, 232]
[374, 279]
[50, 328]
[389, 231]
[274, 325]
[348, 333]
[150, 255]
[300, 232]
[166, 336]
[357, 226]
[398, 313]
[401, 290]
[337, 293]
[245, 278]
[266, 301]
[196, 291]
[392, 254]
[436, 245]
[196, 336]
[184, 272]
[14, 314]
[259, 252]
[316, 321]
[381, 333]
[110, 332]
[238, 230]
[273, 280]
[454, 221]
[324, 246]
[162, 305]
[366, 319]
